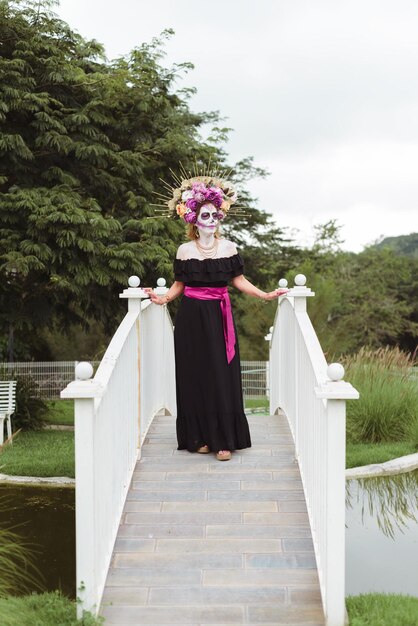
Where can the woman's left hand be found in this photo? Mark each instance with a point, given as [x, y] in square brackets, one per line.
[271, 295]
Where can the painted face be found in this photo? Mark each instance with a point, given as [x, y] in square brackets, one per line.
[208, 218]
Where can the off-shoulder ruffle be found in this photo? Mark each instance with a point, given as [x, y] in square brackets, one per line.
[221, 269]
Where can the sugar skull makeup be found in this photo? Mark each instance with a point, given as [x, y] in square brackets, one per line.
[205, 215]
[209, 217]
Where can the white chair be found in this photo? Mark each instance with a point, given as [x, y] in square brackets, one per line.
[7, 406]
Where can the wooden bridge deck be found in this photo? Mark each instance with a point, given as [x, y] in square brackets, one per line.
[204, 542]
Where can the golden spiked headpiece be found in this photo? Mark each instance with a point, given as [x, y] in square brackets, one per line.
[191, 190]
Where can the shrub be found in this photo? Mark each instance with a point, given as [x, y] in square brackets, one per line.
[30, 409]
[388, 406]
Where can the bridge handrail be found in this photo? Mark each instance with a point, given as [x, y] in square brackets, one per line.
[113, 411]
[312, 395]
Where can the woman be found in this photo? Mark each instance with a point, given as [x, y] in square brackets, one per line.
[210, 411]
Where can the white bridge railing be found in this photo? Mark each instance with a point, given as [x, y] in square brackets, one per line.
[113, 410]
[313, 395]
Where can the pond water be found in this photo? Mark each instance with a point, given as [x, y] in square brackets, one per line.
[382, 534]
[45, 517]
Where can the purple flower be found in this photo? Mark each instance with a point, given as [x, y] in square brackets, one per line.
[191, 203]
[215, 195]
[215, 200]
[199, 197]
[190, 217]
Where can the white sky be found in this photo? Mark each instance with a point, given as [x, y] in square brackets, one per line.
[323, 94]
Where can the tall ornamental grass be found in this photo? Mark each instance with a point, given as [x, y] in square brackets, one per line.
[388, 406]
[17, 571]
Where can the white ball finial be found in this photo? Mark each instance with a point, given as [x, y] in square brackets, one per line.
[133, 281]
[83, 370]
[161, 282]
[300, 280]
[335, 371]
[283, 283]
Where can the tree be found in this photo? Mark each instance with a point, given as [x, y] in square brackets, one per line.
[360, 301]
[372, 310]
[83, 146]
[366, 299]
[405, 245]
[327, 238]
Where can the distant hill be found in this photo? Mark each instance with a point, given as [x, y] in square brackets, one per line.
[406, 245]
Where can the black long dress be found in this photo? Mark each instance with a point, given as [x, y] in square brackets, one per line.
[210, 407]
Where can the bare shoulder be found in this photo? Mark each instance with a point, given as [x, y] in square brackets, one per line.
[184, 249]
[228, 247]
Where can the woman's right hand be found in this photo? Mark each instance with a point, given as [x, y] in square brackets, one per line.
[153, 296]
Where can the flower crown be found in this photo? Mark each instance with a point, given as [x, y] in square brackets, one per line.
[191, 192]
[196, 191]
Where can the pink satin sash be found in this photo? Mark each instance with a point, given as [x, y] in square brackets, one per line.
[218, 293]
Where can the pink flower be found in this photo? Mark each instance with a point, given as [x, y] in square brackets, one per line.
[199, 187]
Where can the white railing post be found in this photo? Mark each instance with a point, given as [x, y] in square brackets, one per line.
[161, 290]
[268, 378]
[84, 390]
[335, 391]
[85, 498]
[299, 293]
[135, 294]
[273, 365]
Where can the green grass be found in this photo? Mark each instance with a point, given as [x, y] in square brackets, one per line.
[388, 406]
[39, 453]
[381, 609]
[366, 453]
[46, 609]
[257, 405]
[60, 412]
